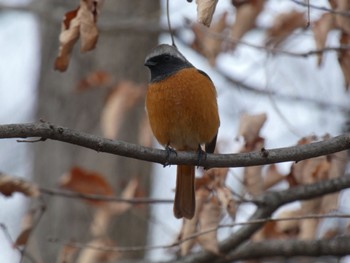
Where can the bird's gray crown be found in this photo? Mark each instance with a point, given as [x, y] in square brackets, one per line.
[165, 49]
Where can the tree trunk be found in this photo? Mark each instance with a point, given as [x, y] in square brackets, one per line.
[120, 53]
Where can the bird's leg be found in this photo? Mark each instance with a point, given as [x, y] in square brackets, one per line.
[201, 154]
[169, 150]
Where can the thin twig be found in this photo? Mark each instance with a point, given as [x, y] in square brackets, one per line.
[322, 8]
[193, 236]
[96, 197]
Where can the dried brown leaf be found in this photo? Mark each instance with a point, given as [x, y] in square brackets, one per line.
[205, 42]
[246, 15]
[344, 59]
[227, 201]
[88, 30]
[338, 162]
[272, 177]
[101, 221]
[67, 254]
[308, 228]
[86, 182]
[253, 180]
[145, 135]
[121, 100]
[252, 176]
[209, 219]
[343, 22]
[129, 192]
[80, 22]
[10, 185]
[288, 228]
[26, 229]
[249, 129]
[333, 4]
[321, 28]
[96, 251]
[283, 25]
[216, 176]
[311, 170]
[205, 11]
[329, 203]
[189, 227]
[94, 79]
[269, 231]
[68, 37]
[332, 232]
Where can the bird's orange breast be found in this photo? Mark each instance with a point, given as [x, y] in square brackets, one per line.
[182, 109]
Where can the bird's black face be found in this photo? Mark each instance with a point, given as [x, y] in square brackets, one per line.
[164, 65]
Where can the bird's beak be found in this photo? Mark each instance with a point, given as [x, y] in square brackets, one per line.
[150, 63]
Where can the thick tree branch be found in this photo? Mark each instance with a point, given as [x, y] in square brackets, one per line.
[291, 248]
[296, 153]
[272, 201]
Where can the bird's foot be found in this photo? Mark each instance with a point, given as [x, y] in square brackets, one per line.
[202, 155]
[169, 150]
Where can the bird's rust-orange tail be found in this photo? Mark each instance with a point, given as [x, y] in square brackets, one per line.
[184, 205]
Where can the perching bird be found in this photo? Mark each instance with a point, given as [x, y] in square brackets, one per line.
[183, 114]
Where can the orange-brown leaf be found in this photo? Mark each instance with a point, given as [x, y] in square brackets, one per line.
[67, 254]
[217, 176]
[253, 180]
[249, 129]
[288, 228]
[121, 100]
[205, 11]
[227, 201]
[95, 79]
[96, 251]
[10, 185]
[26, 229]
[321, 28]
[86, 182]
[209, 219]
[88, 29]
[68, 37]
[129, 192]
[145, 135]
[283, 25]
[189, 227]
[344, 59]
[104, 214]
[207, 41]
[80, 22]
[308, 228]
[269, 231]
[272, 177]
[343, 22]
[246, 15]
[310, 170]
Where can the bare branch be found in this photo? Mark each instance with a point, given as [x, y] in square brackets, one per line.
[291, 248]
[322, 8]
[289, 97]
[99, 144]
[95, 197]
[272, 200]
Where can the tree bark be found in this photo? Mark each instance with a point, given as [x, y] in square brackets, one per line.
[120, 53]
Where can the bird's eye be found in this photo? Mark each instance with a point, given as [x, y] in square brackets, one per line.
[166, 58]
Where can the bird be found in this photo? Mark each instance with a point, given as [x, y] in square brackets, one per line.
[181, 104]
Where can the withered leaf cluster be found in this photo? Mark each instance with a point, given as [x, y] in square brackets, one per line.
[78, 23]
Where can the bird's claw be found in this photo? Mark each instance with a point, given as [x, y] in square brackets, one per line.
[169, 150]
[201, 154]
